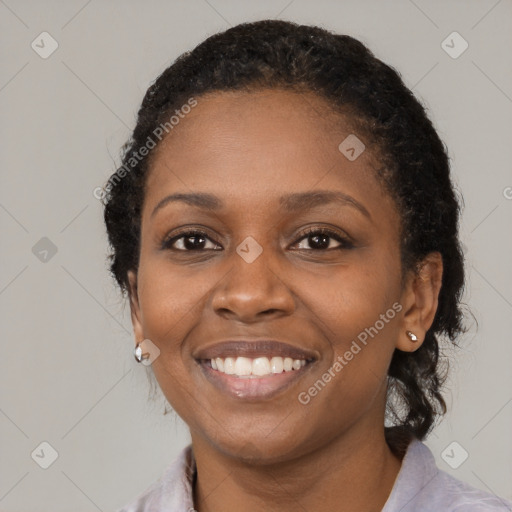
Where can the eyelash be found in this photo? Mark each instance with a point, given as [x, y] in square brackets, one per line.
[343, 240]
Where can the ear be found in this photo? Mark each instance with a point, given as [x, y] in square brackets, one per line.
[420, 299]
[135, 306]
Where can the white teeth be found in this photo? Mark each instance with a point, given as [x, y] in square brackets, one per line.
[276, 364]
[229, 365]
[243, 366]
[260, 366]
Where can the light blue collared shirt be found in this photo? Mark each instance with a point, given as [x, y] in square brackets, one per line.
[419, 487]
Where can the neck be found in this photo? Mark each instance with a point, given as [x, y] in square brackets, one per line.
[354, 472]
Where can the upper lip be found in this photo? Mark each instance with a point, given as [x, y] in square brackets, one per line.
[252, 349]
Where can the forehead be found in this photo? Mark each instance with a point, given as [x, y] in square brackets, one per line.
[240, 121]
[253, 146]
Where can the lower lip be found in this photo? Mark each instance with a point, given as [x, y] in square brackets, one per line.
[253, 388]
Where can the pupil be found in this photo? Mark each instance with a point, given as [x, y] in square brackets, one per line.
[324, 238]
[192, 246]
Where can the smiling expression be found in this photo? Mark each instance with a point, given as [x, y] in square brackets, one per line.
[261, 241]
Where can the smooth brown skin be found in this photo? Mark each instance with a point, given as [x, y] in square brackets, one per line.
[249, 149]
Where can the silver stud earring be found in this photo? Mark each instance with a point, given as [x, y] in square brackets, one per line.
[146, 352]
[412, 336]
[138, 354]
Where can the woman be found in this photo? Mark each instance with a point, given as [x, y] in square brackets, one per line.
[286, 230]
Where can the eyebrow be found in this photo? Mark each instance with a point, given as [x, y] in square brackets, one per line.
[308, 200]
[290, 203]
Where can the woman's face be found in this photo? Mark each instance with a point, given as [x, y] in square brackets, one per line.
[256, 277]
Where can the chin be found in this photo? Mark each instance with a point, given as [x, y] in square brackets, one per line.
[258, 448]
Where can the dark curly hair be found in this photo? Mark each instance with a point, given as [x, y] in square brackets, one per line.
[413, 167]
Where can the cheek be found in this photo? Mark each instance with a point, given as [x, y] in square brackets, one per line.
[356, 296]
[169, 303]
[353, 377]
[360, 315]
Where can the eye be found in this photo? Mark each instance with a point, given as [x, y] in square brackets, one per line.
[187, 241]
[318, 239]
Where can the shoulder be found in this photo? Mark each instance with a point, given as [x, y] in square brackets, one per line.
[172, 492]
[422, 487]
[462, 497]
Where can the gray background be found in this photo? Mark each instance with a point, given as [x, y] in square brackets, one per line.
[68, 375]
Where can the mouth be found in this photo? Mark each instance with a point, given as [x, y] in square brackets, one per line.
[254, 370]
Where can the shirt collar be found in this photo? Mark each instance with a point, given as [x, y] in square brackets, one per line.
[177, 482]
[417, 471]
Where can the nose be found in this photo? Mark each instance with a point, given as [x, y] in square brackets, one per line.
[251, 291]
